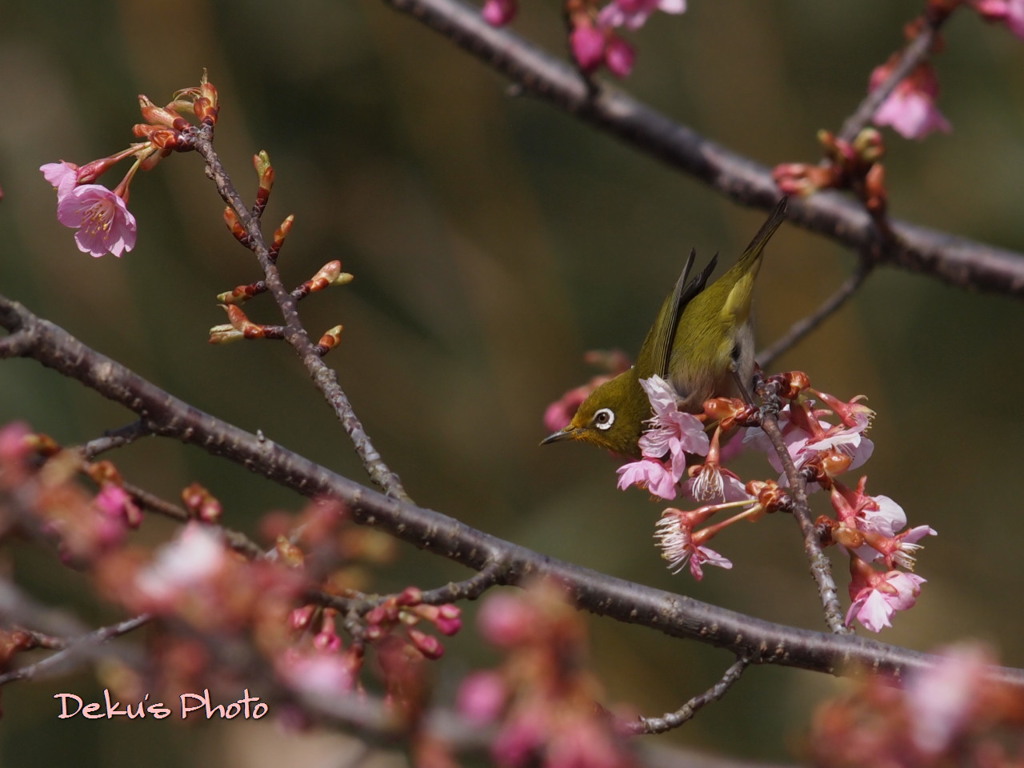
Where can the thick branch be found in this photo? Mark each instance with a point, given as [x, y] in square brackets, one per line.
[676, 615]
[954, 260]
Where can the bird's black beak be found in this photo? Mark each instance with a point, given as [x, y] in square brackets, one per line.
[562, 434]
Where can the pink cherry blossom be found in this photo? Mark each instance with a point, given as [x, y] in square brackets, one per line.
[317, 673]
[942, 698]
[714, 483]
[63, 176]
[619, 56]
[114, 502]
[587, 44]
[634, 13]
[103, 221]
[672, 431]
[1009, 12]
[806, 437]
[652, 474]
[910, 109]
[187, 562]
[879, 596]
[481, 696]
[506, 621]
[674, 533]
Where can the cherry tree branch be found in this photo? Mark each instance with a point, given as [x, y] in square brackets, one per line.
[762, 642]
[686, 712]
[296, 335]
[954, 260]
[820, 565]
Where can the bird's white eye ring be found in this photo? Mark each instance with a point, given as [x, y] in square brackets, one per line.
[604, 418]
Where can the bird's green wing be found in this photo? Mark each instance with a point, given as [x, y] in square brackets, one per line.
[656, 350]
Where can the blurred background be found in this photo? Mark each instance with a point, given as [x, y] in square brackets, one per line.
[493, 241]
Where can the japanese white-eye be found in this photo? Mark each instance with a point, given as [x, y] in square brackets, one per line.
[701, 342]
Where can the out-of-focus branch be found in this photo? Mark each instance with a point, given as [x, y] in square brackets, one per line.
[78, 645]
[761, 642]
[954, 260]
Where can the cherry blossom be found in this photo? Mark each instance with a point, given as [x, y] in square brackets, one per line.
[104, 223]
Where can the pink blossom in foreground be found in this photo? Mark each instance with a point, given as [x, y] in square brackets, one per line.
[619, 56]
[634, 13]
[878, 596]
[116, 503]
[63, 176]
[587, 44]
[498, 13]
[910, 109]
[506, 621]
[184, 564]
[1009, 12]
[103, 221]
[593, 46]
[943, 698]
[482, 696]
[317, 673]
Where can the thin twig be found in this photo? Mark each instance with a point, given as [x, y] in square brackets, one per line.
[78, 645]
[295, 333]
[803, 327]
[820, 565]
[651, 725]
[114, 438]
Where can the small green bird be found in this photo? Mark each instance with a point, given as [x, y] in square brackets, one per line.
[701, 343]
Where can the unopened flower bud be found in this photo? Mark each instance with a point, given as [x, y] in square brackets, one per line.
[869, 145]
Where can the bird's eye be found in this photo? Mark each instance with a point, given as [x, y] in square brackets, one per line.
[604, 418]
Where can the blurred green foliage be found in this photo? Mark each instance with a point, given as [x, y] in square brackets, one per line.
[494, 240]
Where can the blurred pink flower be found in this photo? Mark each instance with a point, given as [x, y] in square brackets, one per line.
[1009, 12]
[619, 56]
[910, 109]
[587, 43]
[498, 13]
[103, 221]
[482, 696]
[941, 699]
[634, 13]
[184, 564]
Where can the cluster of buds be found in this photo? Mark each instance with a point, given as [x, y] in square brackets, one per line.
[40, 494]
[99, 214]
[542, 698]
[847, 165]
